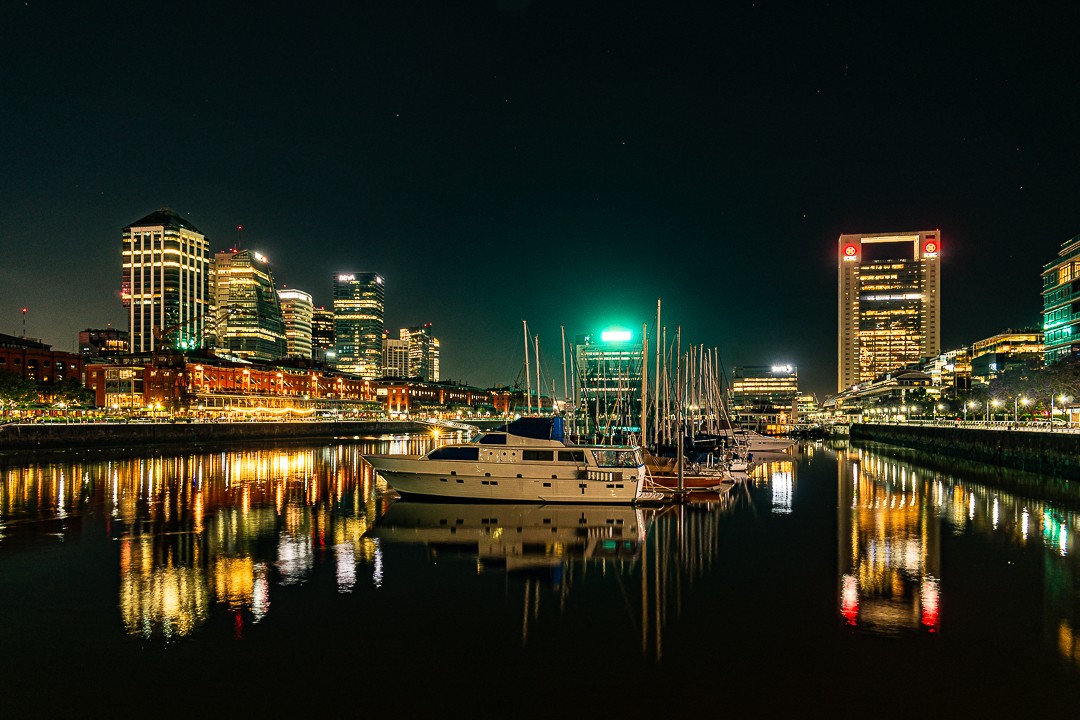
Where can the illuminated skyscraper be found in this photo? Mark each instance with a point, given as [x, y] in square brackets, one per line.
[248, 311]
[423, 352]
[608, 368]
[359, 316]
[322, 335]
[297, 312]
[889, 303]
[165, 285]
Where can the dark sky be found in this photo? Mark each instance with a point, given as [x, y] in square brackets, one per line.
[563, 163]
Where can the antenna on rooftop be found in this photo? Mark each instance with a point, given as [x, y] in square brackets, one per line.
[239, 230]
[24, 322]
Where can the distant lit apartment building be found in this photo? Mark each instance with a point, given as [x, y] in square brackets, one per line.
[608, 366]
[322, 335]
[764, 397]
[297, 311]
[889, 303]
[247, 309]
[1061, 303]
[359, 318]
[165, 283]
[395, 357]
[423, 352]
[104, 342]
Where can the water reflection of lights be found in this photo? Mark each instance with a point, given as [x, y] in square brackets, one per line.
[891, 516]
[193, 530]
[782, 492]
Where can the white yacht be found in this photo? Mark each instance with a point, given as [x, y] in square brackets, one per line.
[528, 460]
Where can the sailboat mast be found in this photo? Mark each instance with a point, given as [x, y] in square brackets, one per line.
[565, 392]
[528, 389]
[644, 380]
[539, 408]
[679, 409]
[656, 405]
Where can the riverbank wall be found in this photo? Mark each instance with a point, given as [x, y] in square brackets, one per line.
[16, 438]
[1054, 454]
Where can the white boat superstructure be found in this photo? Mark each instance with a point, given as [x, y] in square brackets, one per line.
[753, 441]
[528, 460]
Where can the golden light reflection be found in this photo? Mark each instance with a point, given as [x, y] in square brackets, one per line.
[200, 531]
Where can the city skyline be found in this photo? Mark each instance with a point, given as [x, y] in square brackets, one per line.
[566, 164]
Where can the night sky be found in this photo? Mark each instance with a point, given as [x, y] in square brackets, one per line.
[563, 163]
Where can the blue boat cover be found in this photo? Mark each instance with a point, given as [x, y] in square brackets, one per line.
[537, 428]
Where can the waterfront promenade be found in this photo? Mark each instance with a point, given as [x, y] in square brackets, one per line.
[1054, 452]
[21, 437]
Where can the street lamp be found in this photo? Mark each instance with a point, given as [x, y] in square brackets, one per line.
[995, 402]
[1064, 399]
[969, 405]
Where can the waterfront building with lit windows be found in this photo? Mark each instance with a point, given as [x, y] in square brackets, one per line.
[248, 317]
[297, 311]
[165, 282]
[1012, 348]
[889, 303]
[764, 398]
[608, 367]
[37, 361]
[1061, 303]
[359, 318]
[322, 335]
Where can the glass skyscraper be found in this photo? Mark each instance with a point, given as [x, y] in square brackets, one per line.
[248, 313]
[359, 319]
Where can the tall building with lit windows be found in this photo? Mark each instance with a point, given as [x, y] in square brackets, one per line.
[248, 310]
[297, 311]
[764, 397]
[359, 319]
[608, 366]
[889, 303]
[322, 335]
[423, 352]
[1061, 303]
[165, 282]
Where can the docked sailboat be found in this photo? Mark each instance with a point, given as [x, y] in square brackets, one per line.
[527, 460]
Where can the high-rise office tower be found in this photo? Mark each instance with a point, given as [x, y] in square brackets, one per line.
[889, 302]
[423, 352]
[609, 368]
[248, 311]
[1061, 303]
[359, 314]
[322, 335]
[297, 311]
[395, 356]
[165, 285]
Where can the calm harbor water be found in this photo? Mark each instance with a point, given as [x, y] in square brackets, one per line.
[836, 579]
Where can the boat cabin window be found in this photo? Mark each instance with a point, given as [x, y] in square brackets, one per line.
[492, 439]
[572, 456]
[617, 458]
[451, 452]
[547, 455]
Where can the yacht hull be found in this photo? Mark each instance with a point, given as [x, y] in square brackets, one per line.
[418, 477]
